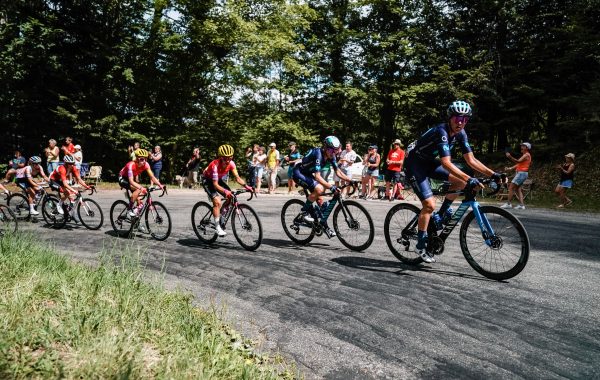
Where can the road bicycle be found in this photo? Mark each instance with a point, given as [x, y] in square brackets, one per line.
[156, 217]
[351, 221]
[245, 222]
[89, 212]
[8, 221]
[19, 204]
[493, 240]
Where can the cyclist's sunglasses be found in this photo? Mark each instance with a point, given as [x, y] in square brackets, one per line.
[141, 158]
[460, 119]
[334, 150]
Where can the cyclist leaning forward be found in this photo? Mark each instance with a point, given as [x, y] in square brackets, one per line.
[127, 177]
[212, 181]
[24, 178]
[423, 163]
[307, 172]
[60, 183]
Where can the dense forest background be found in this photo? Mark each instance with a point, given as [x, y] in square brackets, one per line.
[185, 73]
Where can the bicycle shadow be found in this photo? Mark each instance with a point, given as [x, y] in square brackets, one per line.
[376, 265]
[196, 243]
[283, 243]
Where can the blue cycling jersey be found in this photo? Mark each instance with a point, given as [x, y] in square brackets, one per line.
[314, 160]
[436, 142]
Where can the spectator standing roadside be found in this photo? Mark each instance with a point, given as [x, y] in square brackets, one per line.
[346, 160]
[273, 160]
[68, 148]
[522, 169]
[78, 156]
[155, 159]
[193, 166]
[250, 153]
[567, 174]
[371, 172]
[131, 149]
[18, 162]
[393, 173]
[292, 157]
[260, 160]
[52, 155]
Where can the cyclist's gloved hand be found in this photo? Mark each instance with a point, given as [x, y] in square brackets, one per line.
[248, 188]
[334, 189]
[228, 193]
[473, 183]
[144, 191]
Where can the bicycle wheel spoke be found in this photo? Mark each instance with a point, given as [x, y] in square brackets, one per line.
[400, 232]
[90, 214]
[294, 227]
[158, 221]
[202, 222]
[354, 225]
[246, 227]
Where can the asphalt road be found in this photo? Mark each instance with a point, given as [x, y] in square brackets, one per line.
[346, 315]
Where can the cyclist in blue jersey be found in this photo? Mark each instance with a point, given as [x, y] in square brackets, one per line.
[429, 157]
[307, 173]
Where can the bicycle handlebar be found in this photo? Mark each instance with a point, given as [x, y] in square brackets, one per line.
[242, 191]
[152, 188]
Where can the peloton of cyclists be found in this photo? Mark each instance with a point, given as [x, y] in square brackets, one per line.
[127, 177]
[24, 179]
[59, 181]
[212, 181]
[307, 172]
[429, 157]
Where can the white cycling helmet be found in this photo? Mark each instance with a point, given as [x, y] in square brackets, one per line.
[35, 159]
[459, 108]
[69, 159]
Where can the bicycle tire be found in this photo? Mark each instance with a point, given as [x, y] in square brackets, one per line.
[57, 220]
[19, 205]
[49, 207]
[8, 222]
[201, 222]
[400, 244]
[157, 216]
[119, 220]
[297, 231]
[90, 211]
[349, 231]
[248, 222]
[502, 222]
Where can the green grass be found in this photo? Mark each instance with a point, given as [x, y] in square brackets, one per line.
[64, 319]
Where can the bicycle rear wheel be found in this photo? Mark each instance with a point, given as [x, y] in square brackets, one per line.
[121, 222]
[19, 205]
[295, 228]
[353, 226]
[507, 252]
[202, 222]
[400, 230]
[90, 214]
[158, 221]
[246, 227]
[8, 221]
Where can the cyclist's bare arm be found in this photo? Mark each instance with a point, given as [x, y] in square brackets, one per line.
[452, 169]
[476, 164]
[153, 179]
[82, 182]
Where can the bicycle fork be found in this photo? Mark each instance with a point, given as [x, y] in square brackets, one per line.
[487, 232]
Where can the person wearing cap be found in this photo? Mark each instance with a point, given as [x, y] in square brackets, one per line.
[78, 156]
[393, 173]
[521, 167]
[346, 160]
[371, 172]
[273, 161]
[567, 174]
[292, 157]
[430, 157]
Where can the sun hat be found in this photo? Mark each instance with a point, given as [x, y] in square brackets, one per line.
[526, 145]
[373, 147]
[272, 145]
[571, 156]
[397, 141]
[77, 146]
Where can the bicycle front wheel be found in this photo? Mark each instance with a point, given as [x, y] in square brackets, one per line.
[158, 221]
[400, 229]
[121, 223]
[51, 211]
[299, 231]
[90, 214]
[19, 205]
[202, 222]
[246, 227]
[353, 225]
[8, 221]
[506, 251]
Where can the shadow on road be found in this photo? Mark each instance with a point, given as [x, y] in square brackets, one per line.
[375, 265]
[195, 243]
[284, 243]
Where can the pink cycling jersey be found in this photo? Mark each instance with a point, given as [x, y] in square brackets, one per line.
[215, 170]
[133, 170]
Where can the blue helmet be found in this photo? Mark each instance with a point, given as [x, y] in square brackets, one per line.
[332, 142]
[459, 108]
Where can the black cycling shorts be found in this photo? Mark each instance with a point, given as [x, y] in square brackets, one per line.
[210, 189]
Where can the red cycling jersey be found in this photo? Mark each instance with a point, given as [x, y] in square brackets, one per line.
[215, 170]
[131, 169]
[60, 173]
